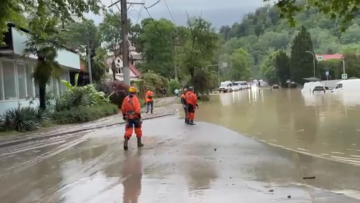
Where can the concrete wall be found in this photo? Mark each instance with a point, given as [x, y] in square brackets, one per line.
[65, 58]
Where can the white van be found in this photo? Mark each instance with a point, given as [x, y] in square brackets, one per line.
[352, 85]
[311, 87]
[243, 84]
[225, 86]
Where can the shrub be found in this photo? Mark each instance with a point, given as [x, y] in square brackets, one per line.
[23, 119]
[172, 85]
[115, 90]
[79, 96]
[154, 82]
[81, 114]
[200, 81]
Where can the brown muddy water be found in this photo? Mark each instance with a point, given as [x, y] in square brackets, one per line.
[325, 125]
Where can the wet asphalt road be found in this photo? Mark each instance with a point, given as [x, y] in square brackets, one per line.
[179, 163]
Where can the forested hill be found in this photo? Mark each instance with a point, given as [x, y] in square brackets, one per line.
[262, 32]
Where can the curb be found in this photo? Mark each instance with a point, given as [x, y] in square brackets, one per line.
[21, 141]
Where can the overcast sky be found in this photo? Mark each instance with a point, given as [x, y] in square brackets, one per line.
[219, 12]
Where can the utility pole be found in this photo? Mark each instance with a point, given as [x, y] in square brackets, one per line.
[125, 38]
[174, 54]
[89, 61]
[314, 61]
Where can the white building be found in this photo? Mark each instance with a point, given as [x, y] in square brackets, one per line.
[16, 83]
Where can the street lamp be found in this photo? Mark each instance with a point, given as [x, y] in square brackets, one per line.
[313, 54]
[343, 60]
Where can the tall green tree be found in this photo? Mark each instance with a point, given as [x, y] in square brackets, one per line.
[268, 68]
[301, 61]
[282, 64]
[45, 47]
[157, 46]
[240, 65]
[201, 45]
[19, 11]
[84, 37]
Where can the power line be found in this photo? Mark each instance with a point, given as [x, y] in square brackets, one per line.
[167, 6]
[138, 18]
[153, 4]
[155, 23]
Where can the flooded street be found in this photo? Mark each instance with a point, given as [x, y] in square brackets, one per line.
[321, 125]
[202, 163]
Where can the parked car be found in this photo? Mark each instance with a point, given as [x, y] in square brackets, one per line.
[236, 87]
[225, 86]
[275, 86]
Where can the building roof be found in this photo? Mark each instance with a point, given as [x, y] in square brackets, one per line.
[330, 56]
[28, 31]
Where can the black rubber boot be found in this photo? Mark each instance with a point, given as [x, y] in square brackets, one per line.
[126, 142]
[186, 121]
[139, 142]
[191, 122]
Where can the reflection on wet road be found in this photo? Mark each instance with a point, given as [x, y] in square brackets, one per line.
[202, 163]
[322, 125]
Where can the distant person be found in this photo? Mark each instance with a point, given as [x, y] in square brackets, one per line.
[191, 102]
[183, 102]
[176, 92]
[163, 91]
[149, 100]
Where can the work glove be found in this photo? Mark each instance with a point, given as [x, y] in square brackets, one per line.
[139, 115]
[124, 117]
[197, 106]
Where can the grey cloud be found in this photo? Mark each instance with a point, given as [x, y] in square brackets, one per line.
[224, 12]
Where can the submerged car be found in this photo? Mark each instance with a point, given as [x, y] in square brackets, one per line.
[275, 86]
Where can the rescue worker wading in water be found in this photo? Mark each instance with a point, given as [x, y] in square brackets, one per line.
[183, 102]
[131, 111]
[191, 101]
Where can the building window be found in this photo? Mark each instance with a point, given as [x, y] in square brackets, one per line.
[29, 80]
[9, 80]
[21, 75]
[1, 84]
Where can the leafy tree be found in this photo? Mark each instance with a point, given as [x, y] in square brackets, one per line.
[268, 69]
[15, 10]
[240, 64]
[200, 47]
[282, 64]
[156, 39]
[345, 10]
[83, 35]
[45, 47]
[301, 61]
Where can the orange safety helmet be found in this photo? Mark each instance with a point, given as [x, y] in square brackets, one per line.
[132, 89]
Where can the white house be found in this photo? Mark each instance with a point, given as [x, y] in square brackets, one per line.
[134, 73]
[16, 83]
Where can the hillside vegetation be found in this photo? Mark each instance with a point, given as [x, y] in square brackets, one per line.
[262, 33]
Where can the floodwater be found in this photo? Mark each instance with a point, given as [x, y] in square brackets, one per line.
[323, 125]
[205, 163]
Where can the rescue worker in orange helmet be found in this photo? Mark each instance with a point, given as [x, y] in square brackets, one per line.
[131, 111]
[149, 100]
[191, 101]
[183, 102]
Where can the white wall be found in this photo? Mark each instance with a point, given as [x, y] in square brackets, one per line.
[17, 86]
[65, 58]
